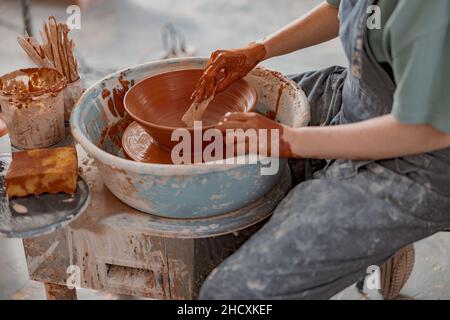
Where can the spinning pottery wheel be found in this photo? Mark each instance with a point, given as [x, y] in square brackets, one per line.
[179, 191]
[190, 218]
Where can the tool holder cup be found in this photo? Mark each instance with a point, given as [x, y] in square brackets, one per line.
[72, 94]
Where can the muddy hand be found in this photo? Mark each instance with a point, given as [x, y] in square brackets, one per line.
[266, 146]
[227, 66]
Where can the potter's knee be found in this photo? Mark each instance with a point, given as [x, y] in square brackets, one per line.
[211, 290]
[225, 285]
[214, 287]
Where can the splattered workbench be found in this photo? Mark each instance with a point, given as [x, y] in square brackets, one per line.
[114, 248]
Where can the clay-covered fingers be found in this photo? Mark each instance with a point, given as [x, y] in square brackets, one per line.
[247, 145]
[249, 120]
[216, 66]
[199, 91]
[205, 88]
[207, 84]
[237, 147]
[226, 82]
[233, 125]
[198, 88]
[245, 121]
[237, 120]
[240, 116]
[223, 69]
[213, 57]
[210, 88]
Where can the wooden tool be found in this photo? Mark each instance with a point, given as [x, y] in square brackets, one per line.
[196, 112]
[56, 50]
[34, 52]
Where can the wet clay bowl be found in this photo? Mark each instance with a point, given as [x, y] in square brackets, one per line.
[196, 191]
[158, 103]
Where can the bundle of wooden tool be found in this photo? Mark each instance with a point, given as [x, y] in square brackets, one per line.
[56, 51]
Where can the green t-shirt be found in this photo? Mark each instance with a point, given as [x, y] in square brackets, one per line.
[415, 41]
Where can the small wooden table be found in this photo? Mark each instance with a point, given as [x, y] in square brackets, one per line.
[120, 250]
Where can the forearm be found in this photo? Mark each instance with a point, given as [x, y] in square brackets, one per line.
[376, 139]
[318, 26]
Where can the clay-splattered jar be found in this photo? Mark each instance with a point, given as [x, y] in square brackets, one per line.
[32, 103]
[5, 154]
[72, 94]
[5, 144]
[3, 128]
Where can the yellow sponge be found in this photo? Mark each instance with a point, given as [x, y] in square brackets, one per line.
[39, 171]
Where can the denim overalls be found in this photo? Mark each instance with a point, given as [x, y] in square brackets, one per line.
[347, 215]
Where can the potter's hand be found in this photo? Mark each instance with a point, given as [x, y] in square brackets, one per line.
[280, 147]
[225, 67]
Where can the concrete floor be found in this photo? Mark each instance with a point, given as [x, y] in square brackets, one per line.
[116, 34]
